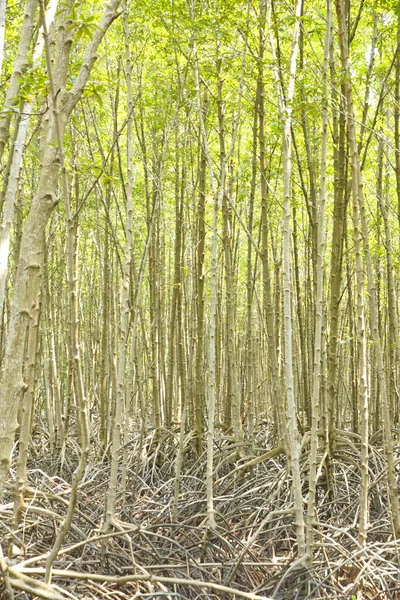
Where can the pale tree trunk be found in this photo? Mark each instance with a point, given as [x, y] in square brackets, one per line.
[285, 113]
[25, 416]
[200, 255]
[125, 295]
[3, 4]
[160, 295]
[49, 398]
[13, 177]
[20, 64]
[181, 347]
[250, 284]
[269, 308]
[312, 211]
[54, 397]
[233, 413]
[397, 120]
[394, 337]
[367, 94]
[361, 326]
[55, 392]
[105, 334]
[336, 269]
[154, 315]
[30, 267]
[9, 198]
[303, 359]
[362, 354]
[219, 379]
[212, 374]
[74, 344]
[174, 301]
[319, 300]
[353, 375]
[182, 371]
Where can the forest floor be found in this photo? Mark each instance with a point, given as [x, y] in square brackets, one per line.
[253, 550]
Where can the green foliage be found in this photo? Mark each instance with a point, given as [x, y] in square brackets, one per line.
[392, 6]
[85, 27]
[34, 84]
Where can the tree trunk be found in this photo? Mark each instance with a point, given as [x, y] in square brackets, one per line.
[285, 113]
[319, 299]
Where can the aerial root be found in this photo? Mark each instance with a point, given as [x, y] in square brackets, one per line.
[251, 554]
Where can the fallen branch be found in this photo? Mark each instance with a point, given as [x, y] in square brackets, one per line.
[254, 461]
[23, 582]
[150, 578]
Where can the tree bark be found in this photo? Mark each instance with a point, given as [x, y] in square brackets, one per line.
[285, 114]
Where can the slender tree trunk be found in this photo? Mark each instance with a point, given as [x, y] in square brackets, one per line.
[336, 268]
[117, 429]
[25, 417]
[181, 358]
[175, 293]
[212, 394]
[72, 252]
[269, 308]
[394, 337]
[285, 113]
[304, 398]
[20, 64]
[233, 410]
[3, 4]
[250, 346]
[397, 120]
[319, 300]
[200, 256]
[53, 363]
[12, 179]
[154, 316]
[104, 407]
